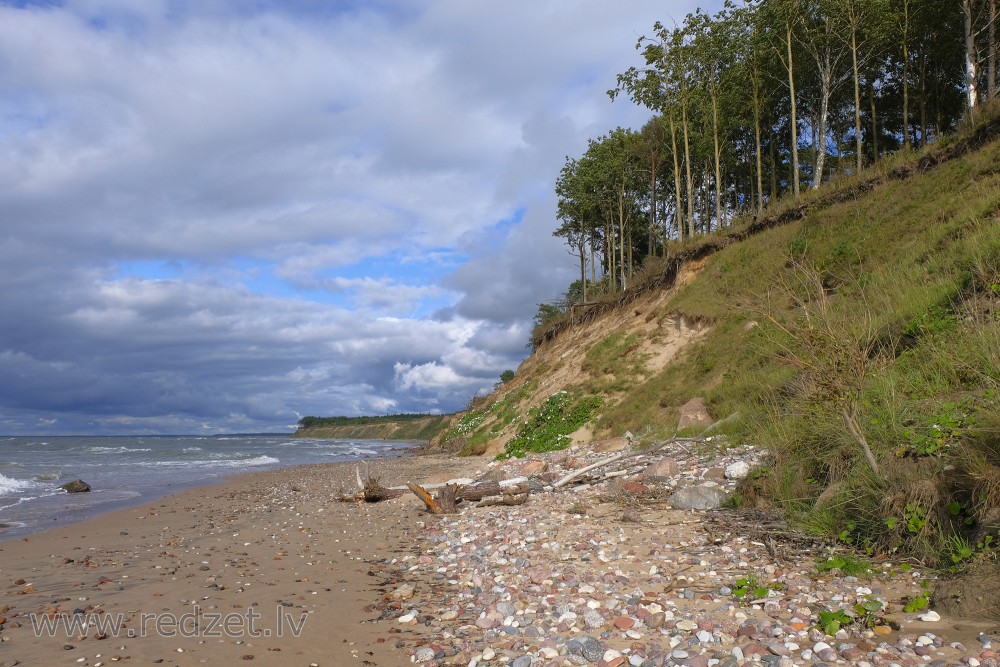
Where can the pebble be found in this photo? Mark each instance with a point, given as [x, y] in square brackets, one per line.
[546, 585]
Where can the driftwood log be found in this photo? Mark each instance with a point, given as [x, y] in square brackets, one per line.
[506, 492]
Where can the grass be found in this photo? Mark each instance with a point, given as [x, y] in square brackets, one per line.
[881, 309]
[854, 333]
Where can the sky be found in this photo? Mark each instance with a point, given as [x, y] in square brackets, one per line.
[219, 216]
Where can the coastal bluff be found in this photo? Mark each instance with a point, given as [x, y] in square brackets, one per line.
[405, 427]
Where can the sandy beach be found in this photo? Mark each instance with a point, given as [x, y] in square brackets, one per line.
[266, 566]
[605, 570]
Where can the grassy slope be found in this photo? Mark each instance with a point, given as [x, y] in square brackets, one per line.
[411, 429]
[871, 321]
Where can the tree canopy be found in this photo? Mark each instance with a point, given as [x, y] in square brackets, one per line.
[758, 101]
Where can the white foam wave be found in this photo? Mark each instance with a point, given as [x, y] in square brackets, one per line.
[10, 486]
[192, 449]
[262, 460]
[352, 452]
[116, 450]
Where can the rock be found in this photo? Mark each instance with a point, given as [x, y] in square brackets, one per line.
[930, 617]
[612, 445]
[76, 486]
[534, 467]
[698, 498]
[663, 468]
[404, 592]
[694, 413]
[423, 654]
[737, 470]
[592, 649]
[624, 623]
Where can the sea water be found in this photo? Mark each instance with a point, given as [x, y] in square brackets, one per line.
[126, 470]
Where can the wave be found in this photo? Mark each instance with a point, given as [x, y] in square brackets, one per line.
[352, 452]
[116, 450]
[261, 460]
[48, 476]
[191, 449]
[9, 485]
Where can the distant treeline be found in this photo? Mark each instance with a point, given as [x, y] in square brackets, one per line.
[311, 422]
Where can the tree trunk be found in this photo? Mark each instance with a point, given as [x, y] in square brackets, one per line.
[794, 116]
[991, 70]
[923, 99]
[718, 155]
[871, 97]
[679, 210]
[906, 75]
[757, 144]
[857, 94]
[687, 163]
[971, 60]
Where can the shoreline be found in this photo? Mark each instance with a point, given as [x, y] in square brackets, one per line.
[603, 572]
[57, 508]
[271, 552]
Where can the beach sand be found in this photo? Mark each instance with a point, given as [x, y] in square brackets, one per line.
[608, 570]
[272, 553]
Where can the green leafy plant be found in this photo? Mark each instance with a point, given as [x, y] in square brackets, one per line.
[865, 614]
[831, 622]
[847, 564]
[866, 611]
[937, 434]
[921, 601]
[913, 521]
[548, 426]
[748, 589]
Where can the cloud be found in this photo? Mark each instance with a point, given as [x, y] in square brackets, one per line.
[221, 216]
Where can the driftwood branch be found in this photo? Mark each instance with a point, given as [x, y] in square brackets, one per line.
[576, 474]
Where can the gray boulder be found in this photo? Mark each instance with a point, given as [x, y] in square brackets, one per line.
[698, 498]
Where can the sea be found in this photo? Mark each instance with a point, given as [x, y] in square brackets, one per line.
[131, 470]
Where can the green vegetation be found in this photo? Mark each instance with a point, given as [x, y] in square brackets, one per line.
[310, 422]
[548, 426]
[846, 564]
[478, 426]
[413, 427]
[747, 589]
[854, 332]
[865, 614]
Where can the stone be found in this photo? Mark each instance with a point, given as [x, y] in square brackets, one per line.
[624, 623]
[423, 654]
[76, 486]
[694, 414]
[698, 498]
[737, 470]
[522, 661]
[662, 469]
[592, 649]
[533, 467]
[930, 617]
[612, 445]
[404, 592]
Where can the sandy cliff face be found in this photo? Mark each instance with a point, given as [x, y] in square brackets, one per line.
[603, 355]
